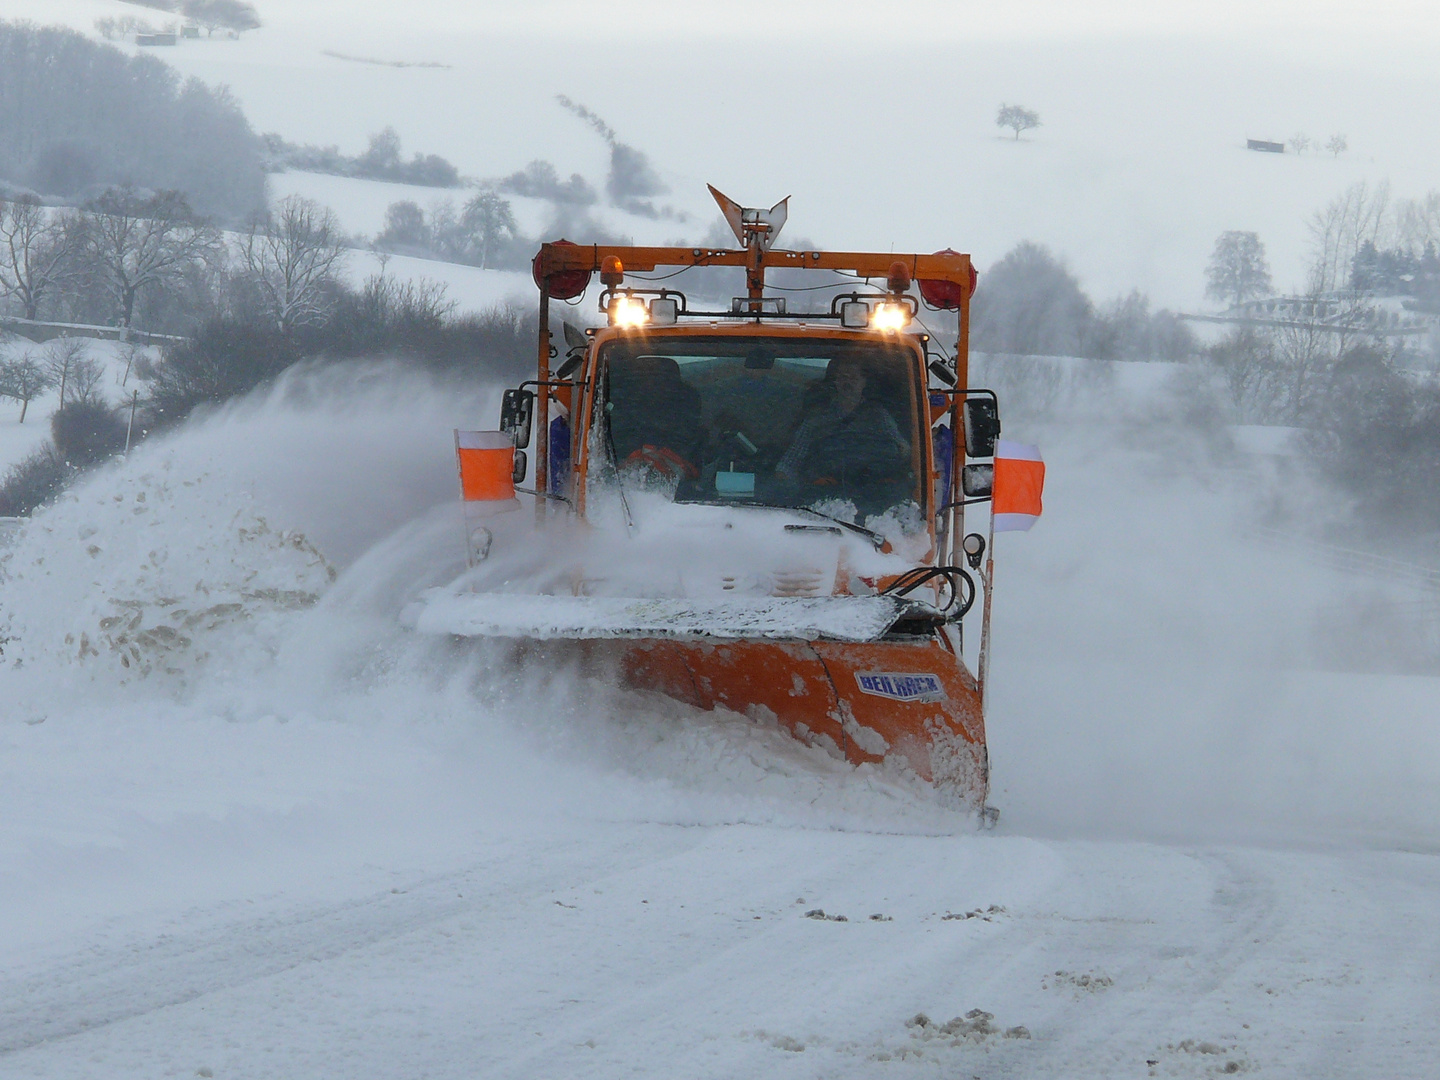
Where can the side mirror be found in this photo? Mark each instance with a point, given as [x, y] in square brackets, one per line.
[570, 365]
[517, 409]
[574, 336]
[982, 427]
[977, 481]
[522, 465]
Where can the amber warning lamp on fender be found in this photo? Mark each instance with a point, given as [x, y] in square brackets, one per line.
[612, 272]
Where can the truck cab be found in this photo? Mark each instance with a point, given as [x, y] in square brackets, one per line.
[760, 415]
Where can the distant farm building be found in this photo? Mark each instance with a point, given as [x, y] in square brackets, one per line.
[1267, 147]
[156, 39]
[190, 32]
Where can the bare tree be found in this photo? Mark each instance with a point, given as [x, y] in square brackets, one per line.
[1306, 349]
[143, 243]
[1337, 145]
[1031, 305]
[405, 227]
[64, 357]
[1238, 270]
[22, 380]
[1018, 118]
[35, 251]
[381, 158]
[1299, 142]
[447, 231]
[1342, 228]
[1250, 369]
[136, 358]
[293, 257]
[86, 374]
[1417, 223]
[488, 219]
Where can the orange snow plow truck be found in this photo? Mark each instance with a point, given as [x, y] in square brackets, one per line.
[756, 507]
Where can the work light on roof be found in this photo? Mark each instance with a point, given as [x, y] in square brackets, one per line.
[628, 311]
[890, 316]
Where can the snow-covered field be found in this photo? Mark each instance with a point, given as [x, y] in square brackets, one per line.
[251, 827]
[880, 122]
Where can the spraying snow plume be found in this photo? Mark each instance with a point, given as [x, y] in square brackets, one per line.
[254, 564]
[1155, 670]
[632, 180]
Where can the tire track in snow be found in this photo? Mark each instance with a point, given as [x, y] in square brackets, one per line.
[88, 992]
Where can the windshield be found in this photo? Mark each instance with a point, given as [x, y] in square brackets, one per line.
[829, 424]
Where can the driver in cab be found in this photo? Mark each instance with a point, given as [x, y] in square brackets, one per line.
[847, 433]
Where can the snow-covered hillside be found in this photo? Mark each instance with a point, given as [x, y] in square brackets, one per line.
[880, 123]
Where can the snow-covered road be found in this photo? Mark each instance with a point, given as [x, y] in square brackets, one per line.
[665, 950]
[248, 834]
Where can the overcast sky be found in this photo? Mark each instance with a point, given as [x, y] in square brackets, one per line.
[1338, 24]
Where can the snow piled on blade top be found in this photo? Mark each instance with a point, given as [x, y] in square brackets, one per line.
[508, 615]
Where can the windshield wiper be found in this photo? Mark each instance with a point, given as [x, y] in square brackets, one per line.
[879, 542]
[870, 534]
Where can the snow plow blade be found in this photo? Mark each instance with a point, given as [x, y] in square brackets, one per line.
[905, 702]
[870, 679]
[587, 618]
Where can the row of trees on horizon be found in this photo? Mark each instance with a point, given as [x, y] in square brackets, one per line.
[78, 116]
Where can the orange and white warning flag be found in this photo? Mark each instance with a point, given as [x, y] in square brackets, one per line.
[1019, 483]
[486, 462]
